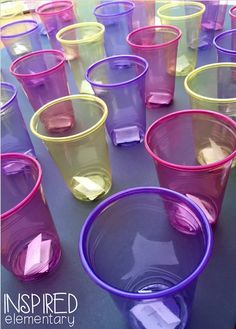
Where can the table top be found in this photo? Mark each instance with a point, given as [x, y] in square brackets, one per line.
[214, 305]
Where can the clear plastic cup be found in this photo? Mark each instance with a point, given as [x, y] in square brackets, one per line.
[187, 17]
[193, 151]
[42, 76]
[10, 11]
[120, 82]
[116, 16]
[83, 44]
[14, 135]
[30, 247]
[80, 151]
[130, 248]
[144, 13]
[84, 10]
[158, 45]
[21, 37]
[212, 87]
[225, 44]
[232, 13]
[55, 15]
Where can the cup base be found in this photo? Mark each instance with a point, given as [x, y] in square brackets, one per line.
[127, 136]
[157, 99]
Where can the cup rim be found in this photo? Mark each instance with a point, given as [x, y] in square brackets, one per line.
[179, 167]
[221, 36]
[91, 38]
[13, 88]
[156, 46]
[231, 11]
[138, 190]
[22, 203]
[34, 53]
[119, 84]
[85, 133]
[39, 9]
[18, 10]
[193, 73]
[23, 21]
[105, 4]
[182, 4]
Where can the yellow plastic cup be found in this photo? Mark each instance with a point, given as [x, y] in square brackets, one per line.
[187, 16]
[81, 151]
[213, 87]
[83, 44]
[10, 11]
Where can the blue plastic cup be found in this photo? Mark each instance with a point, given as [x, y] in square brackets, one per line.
[129, 246]
[225, 44]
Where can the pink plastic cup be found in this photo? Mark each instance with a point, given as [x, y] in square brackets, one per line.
[30, 247]
[55, 15]
[144, 13]
[158, 45]
[232, 13]
[193, 151]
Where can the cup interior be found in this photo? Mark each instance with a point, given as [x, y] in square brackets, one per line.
[8, 93]
[180, 10]
[191, 139]
[80, 32]
[108, 9]
[19, 176]
[226, 42]
[17, 28]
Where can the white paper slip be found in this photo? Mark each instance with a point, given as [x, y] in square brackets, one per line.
[19, 49]
[212, 153]
[155, 315]
[86, 88]
[88, 187]
[182, 64]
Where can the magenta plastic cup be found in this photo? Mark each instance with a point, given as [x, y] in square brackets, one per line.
[232, 13]
[21, 37]
[225, 44]
[120, 82]
[144, 13]
[116, 16]
[158, 45]
[55, 15]
[30, 247]
[14, 135]
[42, 76]
[193, 151]
[129, 247]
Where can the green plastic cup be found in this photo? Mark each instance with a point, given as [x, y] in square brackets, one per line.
[83, 44]
[80, 152]
[187, 16]
[84, 10]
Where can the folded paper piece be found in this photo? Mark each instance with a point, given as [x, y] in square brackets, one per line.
[86, 88]
[90, 187]
[155, 315]
[182, 64]
[211, 153]
[37, 256]
[19, 49]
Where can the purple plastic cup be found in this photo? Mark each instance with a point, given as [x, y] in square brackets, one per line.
[120, 82]
[129, 247]
[225, 44]
[30, 246]
[144, 13]
[42, 76]
[21, 37]
[55, 15]
[116, 16]
[158, 45]
[232, 13]
[14, 135]
[193, 151]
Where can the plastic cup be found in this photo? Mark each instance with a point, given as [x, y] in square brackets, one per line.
[120, 82]
[158, 45]
[212, 87]
[232, 13]
[116, 16]
[225, 44]
[14, 135]
[130, 248]
[144, 13]
[20, 37]
[193, 151]
[84, 10]
[83, 44]
[80, 152]
[187, 17]
[10, 11]
[55, 15]
[30, 247]
[42, 76]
